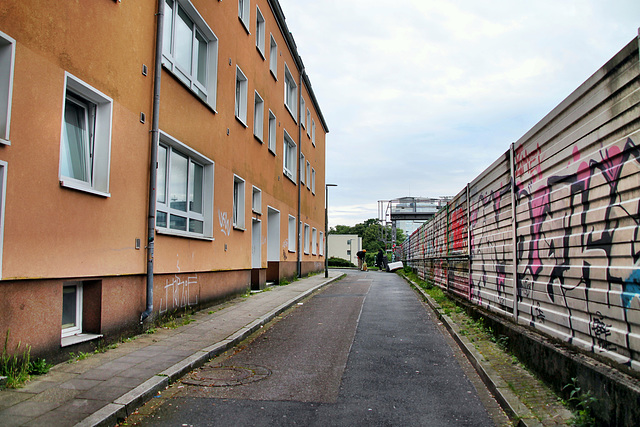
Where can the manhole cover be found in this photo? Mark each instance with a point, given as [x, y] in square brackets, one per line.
[226, 376]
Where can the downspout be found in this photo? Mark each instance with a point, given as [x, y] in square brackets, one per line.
[153, 164]
[301, 170]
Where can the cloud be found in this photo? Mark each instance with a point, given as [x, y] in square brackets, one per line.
[421, 96]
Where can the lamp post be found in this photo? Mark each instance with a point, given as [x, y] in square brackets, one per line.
[326, 228]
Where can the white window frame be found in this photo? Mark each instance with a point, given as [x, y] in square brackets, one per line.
[238, 214]
[292, 234]
[99, 107]
[303, 107]
[163, 193]
[244, 12]
[289, 155]
[258, 116]
[313, 132]
[321, 246]
[273, 57]
[242, 86]
[7, 65]
[77, 329]
[256, 200]
[272, 127]
[302, 168]
[260, 31]
[290, 93]
[308, 175]
[313, 181]
[314, 241]
[306, 239]
[204, 90]
[308, 120]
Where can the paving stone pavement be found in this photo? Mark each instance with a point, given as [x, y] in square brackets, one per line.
[105, 387]
[109, 386]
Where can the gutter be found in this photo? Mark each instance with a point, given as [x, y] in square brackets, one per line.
[153, 164]
[302, 169]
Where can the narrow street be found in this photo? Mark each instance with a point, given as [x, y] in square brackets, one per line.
[363, 351]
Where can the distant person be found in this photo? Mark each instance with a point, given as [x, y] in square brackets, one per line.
[360, 255]
[381, 260]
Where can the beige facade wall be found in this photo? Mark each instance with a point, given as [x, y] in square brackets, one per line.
[54, 234]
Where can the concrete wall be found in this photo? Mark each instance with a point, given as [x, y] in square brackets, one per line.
[548, 234]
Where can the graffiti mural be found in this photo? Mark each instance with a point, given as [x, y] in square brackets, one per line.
[549, 234]
[179, 293]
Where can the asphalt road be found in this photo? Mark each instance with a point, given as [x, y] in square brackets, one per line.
[364, 351]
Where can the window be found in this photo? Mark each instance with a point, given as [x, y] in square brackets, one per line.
[7, 60]
[289, 157]
[313, 181]
[190, 49]
[290, 92]
[306, 239]
[308, 122]
[256, 200]
[243, 13]
[314, 241]
[238, 202]
[308, 175]
[241, 96]
[321, 246]
[292, 233]
[302, 163]
[184, 190]
[302, 109]
[71, 309]
[86, 138]
[258, 116]
[272, 132]
[260, 25]
[273, 57]
[313, 132]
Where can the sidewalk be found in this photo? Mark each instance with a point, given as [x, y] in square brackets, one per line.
[109, 386]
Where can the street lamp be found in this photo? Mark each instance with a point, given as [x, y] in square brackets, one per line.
[326, 229]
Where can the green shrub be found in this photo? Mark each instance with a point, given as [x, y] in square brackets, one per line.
[339, 262]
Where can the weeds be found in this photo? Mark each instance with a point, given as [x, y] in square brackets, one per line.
[39, 367]
[15, 367]
[77, 357]
[582, 402]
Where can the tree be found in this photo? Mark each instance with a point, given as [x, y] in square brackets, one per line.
[374, 235]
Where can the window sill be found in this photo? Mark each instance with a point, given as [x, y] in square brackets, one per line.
[273, 74]
[73, 185]
[78, 338]
[258, 138]
[5, 141]
[184, 234]
[204, 102]
[235, 227]
[293, 116]
[242, 121]
[260, 51]
[290, 176]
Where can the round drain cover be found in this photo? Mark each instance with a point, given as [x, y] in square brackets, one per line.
[226, 376]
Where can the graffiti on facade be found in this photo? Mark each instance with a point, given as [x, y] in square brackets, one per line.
[225, 222]
[179, 293]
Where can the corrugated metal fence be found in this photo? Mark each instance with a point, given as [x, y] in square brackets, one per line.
[574, 180]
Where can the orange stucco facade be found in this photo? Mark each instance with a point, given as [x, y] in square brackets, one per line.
[93, 233]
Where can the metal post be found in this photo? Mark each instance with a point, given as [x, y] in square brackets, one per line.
[326, 228]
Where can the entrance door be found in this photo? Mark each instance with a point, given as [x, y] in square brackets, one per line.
[256, 247]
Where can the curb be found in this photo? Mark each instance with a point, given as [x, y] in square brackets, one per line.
[510, 403]
[126, 404]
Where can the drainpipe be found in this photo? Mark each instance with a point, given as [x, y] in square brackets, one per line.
[301, 170]
[153, 164]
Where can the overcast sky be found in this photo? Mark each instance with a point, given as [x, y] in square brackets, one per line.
[420, 96]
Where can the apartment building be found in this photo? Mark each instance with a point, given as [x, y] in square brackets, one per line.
[155, 155]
